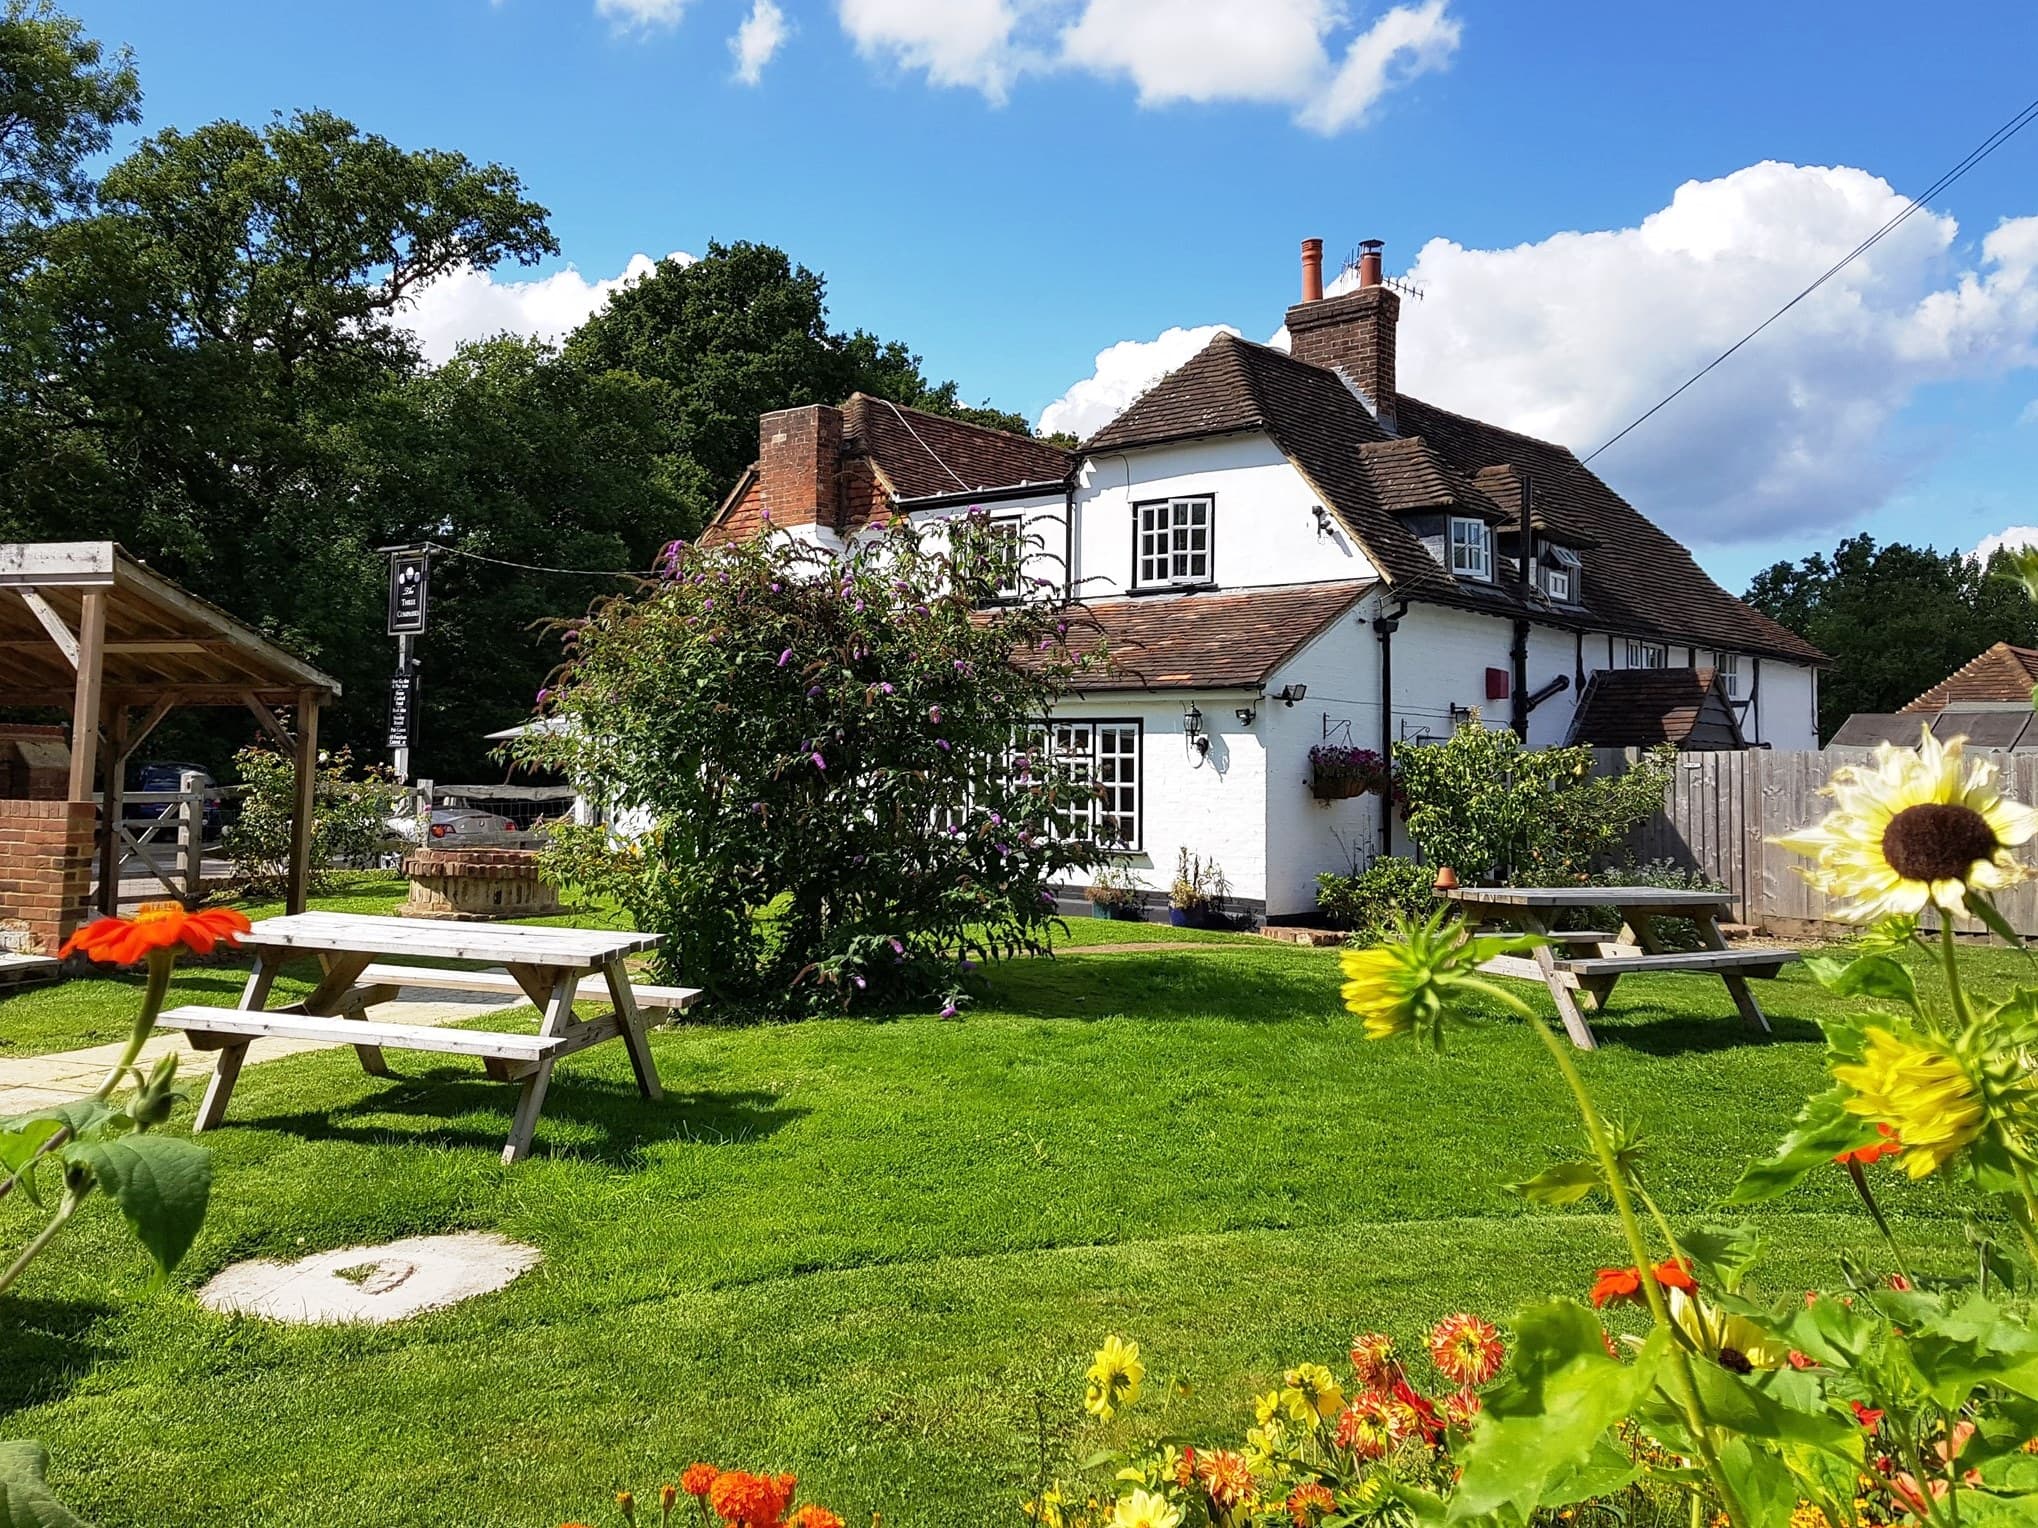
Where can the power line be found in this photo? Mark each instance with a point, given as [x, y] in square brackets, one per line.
[1981, 151]
[897, 413]
[536, 567]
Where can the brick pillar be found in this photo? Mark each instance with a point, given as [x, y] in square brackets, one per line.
[45, 869]
[799, 465]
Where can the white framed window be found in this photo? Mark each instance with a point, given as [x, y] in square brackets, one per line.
[1108, 756]
[1560, 574]
[1472, 548]
[1728, 667]
[1647, 654]
[1004, 552]
[1171, 542]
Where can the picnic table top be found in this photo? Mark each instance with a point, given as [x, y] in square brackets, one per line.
[494, 943]
[1641, 898]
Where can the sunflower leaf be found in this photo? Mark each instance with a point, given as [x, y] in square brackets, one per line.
[1823, 1130]
[1877, 976]
[161, 1184]
[25, 1501]
[1998, 925]
[1561, 1185]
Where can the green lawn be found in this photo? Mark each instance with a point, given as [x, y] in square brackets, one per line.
[855, 1249]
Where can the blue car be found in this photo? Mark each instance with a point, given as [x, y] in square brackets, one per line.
[160, 776]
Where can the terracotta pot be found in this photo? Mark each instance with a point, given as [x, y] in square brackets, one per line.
[1447, 879]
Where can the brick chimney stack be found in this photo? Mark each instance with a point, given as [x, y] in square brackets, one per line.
[1352, 333]
[799, 464]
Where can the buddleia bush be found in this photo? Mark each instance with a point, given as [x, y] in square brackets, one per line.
[828, 777]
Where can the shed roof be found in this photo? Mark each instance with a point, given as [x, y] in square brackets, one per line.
[162, 642]
[1642, 708]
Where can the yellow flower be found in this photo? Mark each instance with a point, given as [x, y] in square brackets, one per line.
[1047, 1510]
[1920, 1090]
[1266, 1407]
[1415, 981]
[1263, 1446]
[1734, 1342]
[1913, 830]
[1310, 1393]
[1145, 1509]
[1115, 1377]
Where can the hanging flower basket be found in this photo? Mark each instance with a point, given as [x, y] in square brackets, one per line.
[1338, 772]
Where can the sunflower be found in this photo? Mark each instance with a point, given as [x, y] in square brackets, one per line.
[156, 926]
[1914, 830]
[1419, 978]
[1115, 1376]
[1466, 1349]
[1919, 1089]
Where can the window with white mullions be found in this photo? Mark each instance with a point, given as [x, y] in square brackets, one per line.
[1472, 548]
[1101, 761]
[1561, 568]
[1647, 655]
[1173, 542]
[1728, 667]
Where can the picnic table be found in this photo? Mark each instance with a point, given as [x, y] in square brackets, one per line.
[1582, 969]
[370, 960]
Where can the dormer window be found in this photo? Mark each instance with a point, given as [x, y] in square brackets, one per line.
[1561, 572]
[1471, 548]
[1172, 542]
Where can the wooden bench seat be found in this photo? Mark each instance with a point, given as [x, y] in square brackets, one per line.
[281, 1024]
[1743, 962]
[451, 979]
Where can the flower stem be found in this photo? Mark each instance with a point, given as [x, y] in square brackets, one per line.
[1638, 1247]
[160, 962]
[42, 1239]
[1875, 1214]
[1961, 1015]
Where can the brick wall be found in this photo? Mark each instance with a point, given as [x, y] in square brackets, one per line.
[799, 454]
[45, 868]
[1354, 333]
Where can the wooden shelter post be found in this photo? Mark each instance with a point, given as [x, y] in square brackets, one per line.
[113, 809]
[306, 781]
[91, 663]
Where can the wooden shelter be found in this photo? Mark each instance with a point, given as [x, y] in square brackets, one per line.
[87, 628]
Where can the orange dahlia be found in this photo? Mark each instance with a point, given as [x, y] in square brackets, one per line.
[156, 926]
[1373, 1360]
[1186, 1465]
[698, 1479]
[1228, 1478]
[1462, 1408]
[811, 1516]
[1466, 1349]
[1310, 1501]
[1410, 1415]
[1362, 1429]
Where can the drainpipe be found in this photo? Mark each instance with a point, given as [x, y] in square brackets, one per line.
[1384, 627]
[1068, 537]
[1524, 545]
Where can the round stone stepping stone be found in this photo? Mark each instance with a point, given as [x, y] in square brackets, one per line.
[372, 1284]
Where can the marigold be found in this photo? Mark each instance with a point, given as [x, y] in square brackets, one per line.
[751, 1501]
[1915, 829]
[157, 926]
[1145, 1509]
[812, 1516]
[1309, 1502]
[1466, 1350]
[1921, 1090]
[1228, 1479]
[1311, 1393]
[1115, 1377]
[698, 1479]
[1890, 1144]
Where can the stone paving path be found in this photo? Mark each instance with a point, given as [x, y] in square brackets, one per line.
[28, 1083]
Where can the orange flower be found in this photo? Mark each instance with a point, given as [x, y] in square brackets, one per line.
[1309, 1501]
[1228, 1479]
[1410, 1415]
[1466, 1349]
[751, 1501]
[1185, 1467]
[156, 926]
[1362, 1429]
[1874, 1151]
[1626, 1283]
[811, 1516]
[698, 1479]
[1462, 1408]
[1373, 1360]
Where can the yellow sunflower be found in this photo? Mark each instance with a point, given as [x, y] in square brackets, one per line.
[1421, 977]
[1920, 1090]
[1115, 1377]
[1914, 829]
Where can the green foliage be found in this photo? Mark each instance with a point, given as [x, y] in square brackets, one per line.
[25, 1502]
[1485, 804]
[1369, 901]
[61, 96]
[841, 773]
[349, 824]
[1896, 619]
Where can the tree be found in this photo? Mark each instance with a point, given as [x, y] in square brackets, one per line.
[832, 769]
[1896, 619]
[739, 333]
[61, 96]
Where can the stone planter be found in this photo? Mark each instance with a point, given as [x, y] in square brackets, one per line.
[476, 885]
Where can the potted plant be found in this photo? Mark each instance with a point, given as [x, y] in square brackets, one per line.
[1198, 884]
[1115, 894]
[1338, 771]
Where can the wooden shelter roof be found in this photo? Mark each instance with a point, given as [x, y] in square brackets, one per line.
[161, 643]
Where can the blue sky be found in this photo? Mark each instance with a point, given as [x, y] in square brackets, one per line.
[1011, 186]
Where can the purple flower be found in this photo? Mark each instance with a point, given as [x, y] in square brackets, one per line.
[819, 762]
[921, 610]
[764, 514]
[934, 714]
[774, 587]
[813, 692]
[707, 604]
[859, 607]
[886, 689]
[948, 1011]
[861, 984]
[968, 964]
[962, 666]
[942, 744]
[997, 821]
[543, 696]
[785, 657]
[897, 948]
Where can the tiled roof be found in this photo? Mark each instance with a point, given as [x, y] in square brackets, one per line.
[1204, 640]
[925, 455]
[1641, 708]
[1636, 578]
[2003, 673]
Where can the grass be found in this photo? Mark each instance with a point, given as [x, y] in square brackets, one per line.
[858, 1249]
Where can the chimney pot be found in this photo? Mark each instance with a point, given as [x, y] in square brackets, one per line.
[1369, 262]
[1312, 270]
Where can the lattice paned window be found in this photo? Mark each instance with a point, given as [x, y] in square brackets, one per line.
[1472, 548]
[1728, 667]
[1648, 655]
[1173, 542]
[1105, 756]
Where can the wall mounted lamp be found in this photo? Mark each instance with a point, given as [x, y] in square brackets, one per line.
[1323, 527]
[1245, 715]
[1288, 694]
[1192, 729]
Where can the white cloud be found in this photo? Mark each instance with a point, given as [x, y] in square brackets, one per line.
[1271, 51]
[474, 305]
[2012, 537]
[758, 40]
[642, 14]
[1123, 372]
[2029, 414]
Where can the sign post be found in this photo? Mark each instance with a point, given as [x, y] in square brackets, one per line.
[410, 577]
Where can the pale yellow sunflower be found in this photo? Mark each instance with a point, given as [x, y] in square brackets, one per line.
[1915, 829]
